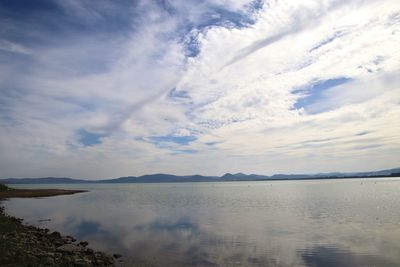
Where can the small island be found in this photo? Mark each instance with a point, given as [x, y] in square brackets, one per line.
[26, 245]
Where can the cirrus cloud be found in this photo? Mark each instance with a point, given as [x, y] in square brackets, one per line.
[189, 87]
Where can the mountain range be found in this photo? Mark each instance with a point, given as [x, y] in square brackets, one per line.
[169, 178]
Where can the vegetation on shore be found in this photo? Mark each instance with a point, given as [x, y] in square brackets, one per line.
[3, 187]
[26, 246]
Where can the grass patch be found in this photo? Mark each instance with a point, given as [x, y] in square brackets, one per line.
[6, 224]
[3, 187]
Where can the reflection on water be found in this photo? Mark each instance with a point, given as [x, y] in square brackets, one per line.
[283, 223]
[333, 257]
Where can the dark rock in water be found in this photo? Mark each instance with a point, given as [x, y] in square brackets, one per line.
[117, 256]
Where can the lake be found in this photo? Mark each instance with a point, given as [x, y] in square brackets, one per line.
[349, 222]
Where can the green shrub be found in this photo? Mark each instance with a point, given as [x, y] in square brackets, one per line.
[3, 187]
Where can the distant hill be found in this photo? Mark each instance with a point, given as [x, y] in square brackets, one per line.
[243, 177]
[46, 180]
[169, 178]
[161, 178]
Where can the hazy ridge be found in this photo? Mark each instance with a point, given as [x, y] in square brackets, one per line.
[169, 178]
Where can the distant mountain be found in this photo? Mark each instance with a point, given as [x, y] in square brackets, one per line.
[379, 173]
[242, 177]
[293, 176]
[169, 178]
[46, 180]
[161, 178]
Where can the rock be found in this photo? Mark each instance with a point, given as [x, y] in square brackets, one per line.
[55, 235]
[83, 243]
[69, 248]
[59, 242]
[71, 238]
[68, 239]
[31, 246]
[117, 256]
[50, 254]
[82, 262]
[48, 261]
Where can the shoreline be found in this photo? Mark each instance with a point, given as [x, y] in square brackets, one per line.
[27, 245]
[32, 193]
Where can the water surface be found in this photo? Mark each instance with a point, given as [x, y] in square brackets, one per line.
[352, 222]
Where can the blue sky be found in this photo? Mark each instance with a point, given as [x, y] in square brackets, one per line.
[115, 88]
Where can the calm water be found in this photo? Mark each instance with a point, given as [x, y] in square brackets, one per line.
[283, 223]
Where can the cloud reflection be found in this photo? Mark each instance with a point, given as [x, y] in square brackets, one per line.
[322, 256]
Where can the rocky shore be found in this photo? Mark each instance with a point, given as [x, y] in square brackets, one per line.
[25, 246]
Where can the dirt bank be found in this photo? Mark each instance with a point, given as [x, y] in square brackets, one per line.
[36, 192]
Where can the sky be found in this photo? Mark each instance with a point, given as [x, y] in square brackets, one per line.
[100, 89]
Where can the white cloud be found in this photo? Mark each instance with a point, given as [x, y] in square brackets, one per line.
[237, 95]
[13, 47]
